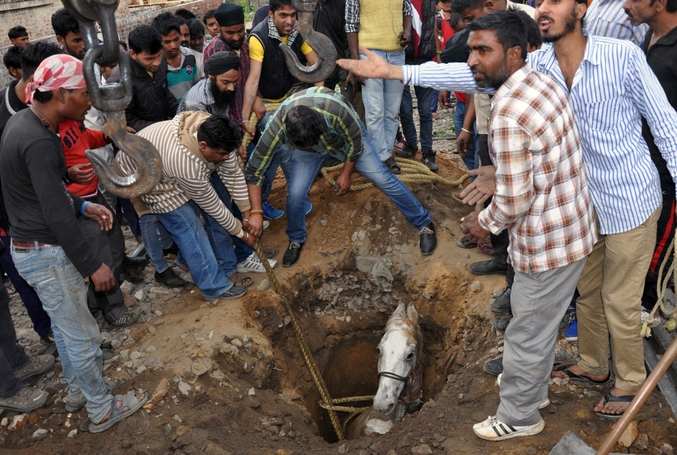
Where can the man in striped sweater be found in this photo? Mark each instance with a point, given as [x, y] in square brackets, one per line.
[200, 176]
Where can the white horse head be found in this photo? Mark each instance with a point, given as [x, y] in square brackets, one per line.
[400, 349]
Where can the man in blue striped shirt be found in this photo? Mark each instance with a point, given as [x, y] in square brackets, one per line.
[611, 88]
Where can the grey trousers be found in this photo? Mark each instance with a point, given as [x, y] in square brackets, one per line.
[538, 302]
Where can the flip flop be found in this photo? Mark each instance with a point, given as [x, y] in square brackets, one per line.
[392, 166]
[465, 242]
[238, 279]
[564, 368]
[117, 413]
[611, 398]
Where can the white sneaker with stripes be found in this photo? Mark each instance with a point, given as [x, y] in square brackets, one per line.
[493, 429]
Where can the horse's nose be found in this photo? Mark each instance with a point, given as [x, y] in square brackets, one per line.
[387, 409]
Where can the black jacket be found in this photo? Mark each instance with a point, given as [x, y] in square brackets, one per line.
[329, 19]
[456, 49]
[427, 47]
[152, 101]
[276, 80]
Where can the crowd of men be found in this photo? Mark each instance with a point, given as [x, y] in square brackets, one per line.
[573, 145]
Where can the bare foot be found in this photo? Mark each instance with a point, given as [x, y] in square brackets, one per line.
[613, 406]
[578, 371]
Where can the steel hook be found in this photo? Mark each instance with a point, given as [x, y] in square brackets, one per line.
[323, 47]
[148, 162]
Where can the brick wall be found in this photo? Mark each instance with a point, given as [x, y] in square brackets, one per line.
[36, 16]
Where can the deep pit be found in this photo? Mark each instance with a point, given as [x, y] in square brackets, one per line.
[343, 317]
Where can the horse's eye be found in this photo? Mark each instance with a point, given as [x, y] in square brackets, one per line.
[410, 356]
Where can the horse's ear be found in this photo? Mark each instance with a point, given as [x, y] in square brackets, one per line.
[400, 311]
[412, 314]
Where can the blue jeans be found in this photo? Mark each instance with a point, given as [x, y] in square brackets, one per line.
[306, 165]
[64, 297]
[459, 115]
[29, 297]
[242, 250]
[382, 100]
[155, 239]
[423, 95]
[281, 157]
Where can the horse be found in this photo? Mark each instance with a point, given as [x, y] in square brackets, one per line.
[399, 372]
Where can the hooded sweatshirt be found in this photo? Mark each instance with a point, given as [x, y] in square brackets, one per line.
[186, 173]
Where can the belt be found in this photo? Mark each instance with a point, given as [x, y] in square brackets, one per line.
[26, 246]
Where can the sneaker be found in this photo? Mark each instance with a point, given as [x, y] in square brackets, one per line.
[169, 278]
[406, 152]
[542, 405]
[494, 367]
[309, 206]
[266, 224]
[235, 292]
[400, 144]
[292, 255]
[429, 160]
[128, 318]
[493, 429]
[48, 338]
[271, 212]
[501, 323]
[36, 366]
[253, 264]
[25, 400]
[571, 333]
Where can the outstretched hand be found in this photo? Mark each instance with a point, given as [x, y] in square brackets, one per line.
[482, 188]
[373, 66]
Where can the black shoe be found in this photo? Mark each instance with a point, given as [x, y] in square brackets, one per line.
[392, 165]
[170, 279]
[429, 160]
[128, 318]
[136, 262]
[502, 303]
[407, 152]
[127, 276]
[48, 338]
[502, 323]
[174, 249]
[292, 255]
[428, 239]
[494, 367]
[487, 268]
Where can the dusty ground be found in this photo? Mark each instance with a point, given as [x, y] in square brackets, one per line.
[237, 381]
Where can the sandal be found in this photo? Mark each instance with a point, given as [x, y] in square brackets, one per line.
[611, 398]
[564, 368]
[392, 166]
[238, 279]
[117, 411]
[465, 242]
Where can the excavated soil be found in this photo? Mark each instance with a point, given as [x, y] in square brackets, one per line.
[237, 380]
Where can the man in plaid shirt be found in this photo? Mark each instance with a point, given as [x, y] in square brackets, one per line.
[541, 197]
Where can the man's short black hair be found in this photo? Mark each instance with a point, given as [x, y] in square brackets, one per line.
[458, 6]
[145, 38]
[278, 4]
[17, 32]
[63, 23]
[33, 54]
[534, 37]
[219, 133]
[208, 14]
[670, 5]
[166, 23]
[182, 21]
[509, 25]
[12, 58]
[455, 19]
[304, 126]
[196, 27]
[184, 13]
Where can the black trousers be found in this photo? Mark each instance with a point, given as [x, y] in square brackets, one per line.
[12, 355]
[665, 234]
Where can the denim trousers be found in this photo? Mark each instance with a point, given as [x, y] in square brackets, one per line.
[206, 250]
[64, 297]
[382, 100]
[29, 297]
[155, 239]
[12, 355]
[306, 165]
[281, 157]
[242, 250]
[459, 116]
[423, 96]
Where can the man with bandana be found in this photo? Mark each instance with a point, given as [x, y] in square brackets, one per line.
[47, 250]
